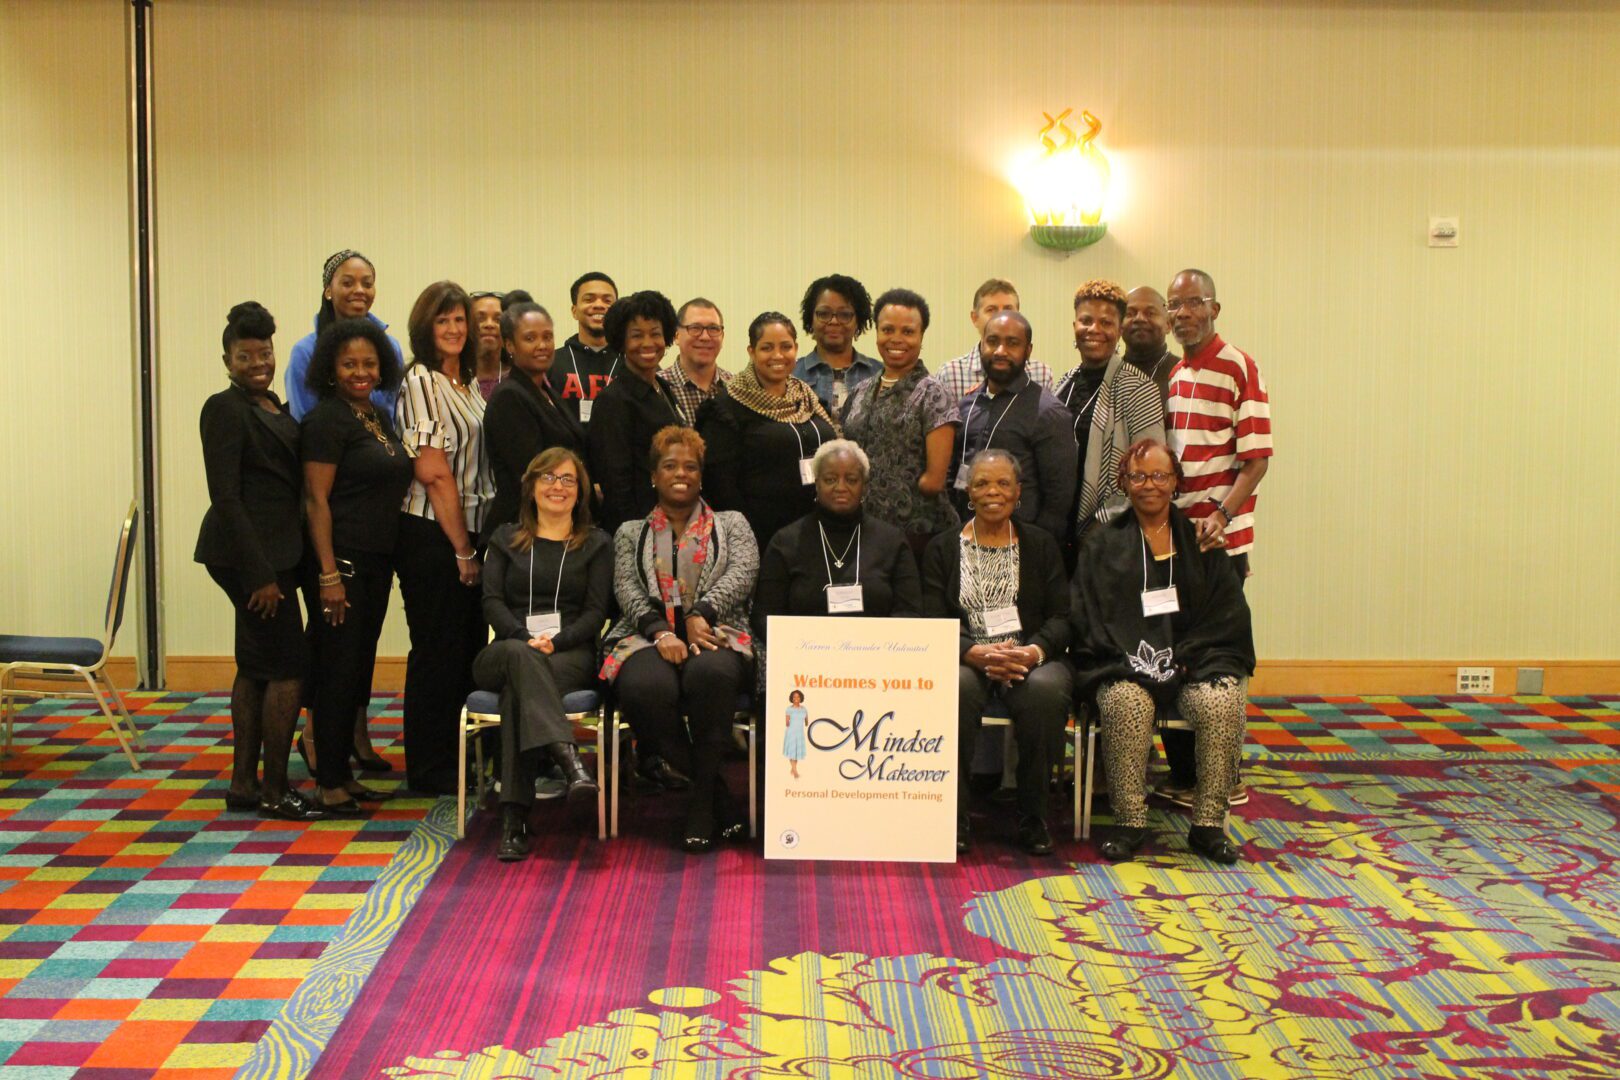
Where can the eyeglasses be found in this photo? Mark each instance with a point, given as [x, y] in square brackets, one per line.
[842, 315]
[1191, 303]
[700, 329]
[1160, 479]
[567, 480]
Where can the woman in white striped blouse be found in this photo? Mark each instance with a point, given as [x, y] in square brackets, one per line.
[440, 417]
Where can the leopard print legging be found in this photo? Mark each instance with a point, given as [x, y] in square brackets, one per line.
[1216, 711]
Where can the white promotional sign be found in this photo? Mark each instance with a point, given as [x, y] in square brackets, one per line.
[859, 737]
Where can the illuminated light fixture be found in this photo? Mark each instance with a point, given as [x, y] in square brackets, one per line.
[1066, 187]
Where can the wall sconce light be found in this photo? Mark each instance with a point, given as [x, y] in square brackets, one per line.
[1066, 187]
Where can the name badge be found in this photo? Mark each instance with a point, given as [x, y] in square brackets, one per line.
[807, 470]
[585, 410]
[1160, 601]
[547, 625]
[962, 477]
[1002, 620]
[843, 599]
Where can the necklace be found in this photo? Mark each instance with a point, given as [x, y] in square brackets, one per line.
[369, 419]
[838, 560]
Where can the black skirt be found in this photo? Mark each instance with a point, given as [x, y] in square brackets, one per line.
[267, 649]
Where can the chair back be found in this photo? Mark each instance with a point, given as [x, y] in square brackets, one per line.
[122, 559]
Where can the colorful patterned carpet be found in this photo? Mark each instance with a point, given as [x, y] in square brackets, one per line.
[1429, 890]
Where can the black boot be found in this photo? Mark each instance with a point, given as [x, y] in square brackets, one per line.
[581, 784]
[514, 834]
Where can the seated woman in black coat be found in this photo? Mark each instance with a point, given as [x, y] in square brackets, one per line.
[1157, 620]
[683, 576]
[634, 407]
[252, 541]
[1005, 584]
[836, 560]
[524, 415]
[548, 583]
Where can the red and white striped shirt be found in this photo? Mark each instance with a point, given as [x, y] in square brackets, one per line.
[1219, 417]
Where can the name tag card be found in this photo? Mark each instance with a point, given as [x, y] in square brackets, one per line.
[1160, 601]
[1002, 620]
[842, 599]
[962, 477]
[585, 411]
[807, 470]
[546, 625]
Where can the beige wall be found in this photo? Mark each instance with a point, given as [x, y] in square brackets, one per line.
[1444, 418]
[65, 379]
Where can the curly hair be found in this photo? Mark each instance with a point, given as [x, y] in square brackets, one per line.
[672, 436]
[847, 287]
[321, 376]
[247, 321]
[646, 304]
[1099, 289]
[902, 298]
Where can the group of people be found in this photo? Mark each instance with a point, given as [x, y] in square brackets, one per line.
[585, 515]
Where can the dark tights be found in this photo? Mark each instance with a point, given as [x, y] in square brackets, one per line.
[263, 716]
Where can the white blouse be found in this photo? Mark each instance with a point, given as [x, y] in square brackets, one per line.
[433, 411]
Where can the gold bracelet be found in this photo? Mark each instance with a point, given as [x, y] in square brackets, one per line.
[334, 578]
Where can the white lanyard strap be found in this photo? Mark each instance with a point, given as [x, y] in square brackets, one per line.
[800, 438]
[826, 553]
[572, 359]
[990, 438]
[1068, 399]
[556, 595]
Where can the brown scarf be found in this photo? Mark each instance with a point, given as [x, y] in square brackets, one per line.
[797, 405]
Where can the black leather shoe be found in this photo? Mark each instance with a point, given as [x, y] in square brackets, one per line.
[1211, 842]
[365, 794]
[581, 784]
[1123, 844]
[660, 773]
[348, 808]
[291, 806]
[735, 833]
[514, 846]
[1033, 836]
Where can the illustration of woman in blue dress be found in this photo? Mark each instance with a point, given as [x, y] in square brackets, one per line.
[793, 742]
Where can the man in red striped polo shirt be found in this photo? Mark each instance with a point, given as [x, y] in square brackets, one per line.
[1218, 418]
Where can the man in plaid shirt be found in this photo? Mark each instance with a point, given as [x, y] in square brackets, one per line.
[965, 374]
[695, 377]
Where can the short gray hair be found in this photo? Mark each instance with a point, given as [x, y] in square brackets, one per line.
[989, 456]
[842, 446]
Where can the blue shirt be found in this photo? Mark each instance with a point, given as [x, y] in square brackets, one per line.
[301, 399]
[819, 374]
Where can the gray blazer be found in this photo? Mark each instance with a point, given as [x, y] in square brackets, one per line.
[725, 585]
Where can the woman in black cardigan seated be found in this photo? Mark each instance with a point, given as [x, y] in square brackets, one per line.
[1155, 620]
[836, 560]
[524, 416]
[548, 582]
[683, 576]
[1005, 584]
[252, 542]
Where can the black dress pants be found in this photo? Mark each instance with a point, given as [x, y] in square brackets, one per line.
[654, 694]
[344, 658]
[531, 685]
[446, 622]
[1039, 705]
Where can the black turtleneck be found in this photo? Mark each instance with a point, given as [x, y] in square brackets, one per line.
[794, 572]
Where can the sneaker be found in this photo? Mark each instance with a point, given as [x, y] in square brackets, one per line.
[1170, 791]
[1240, 794]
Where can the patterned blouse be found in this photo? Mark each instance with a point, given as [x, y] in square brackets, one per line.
[989, 581]
[433, 411]
[892, 425]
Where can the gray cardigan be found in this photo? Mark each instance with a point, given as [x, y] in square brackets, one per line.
[1129, 408]
[725, 585]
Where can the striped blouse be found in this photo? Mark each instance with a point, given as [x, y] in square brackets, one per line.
[433, 411]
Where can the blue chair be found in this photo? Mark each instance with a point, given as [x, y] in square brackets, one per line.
[73, 660]
[584, 709]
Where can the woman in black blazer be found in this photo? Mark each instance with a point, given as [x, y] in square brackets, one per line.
[524, 415]
[1004, 582]
[252, 541]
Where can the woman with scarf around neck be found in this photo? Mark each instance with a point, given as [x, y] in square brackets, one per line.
[837, 560]
[683, 576]
[548, 585]
[906, 423]
[1157, 620]
[762, 430]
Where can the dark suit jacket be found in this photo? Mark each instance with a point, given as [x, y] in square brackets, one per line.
[521, 420]
[1043, 591]
[624, 419]
[254, 522]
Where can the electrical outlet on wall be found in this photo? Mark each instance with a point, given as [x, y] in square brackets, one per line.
[1476, 680]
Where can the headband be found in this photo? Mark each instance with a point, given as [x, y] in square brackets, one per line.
[337, 259]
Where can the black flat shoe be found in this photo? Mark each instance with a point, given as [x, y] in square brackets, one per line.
[348, 808]
[365, 794]
[660, 773]
[241, 802]
[1033, 836]
[373, 763]
[735, 833]
[514, 846]
[1123, 844]
[290, 807]
[1211, 842]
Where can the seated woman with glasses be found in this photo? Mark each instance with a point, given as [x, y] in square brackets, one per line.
[683, 576]
[548, 582]
[838, 560]
[1157, 620]
[1004, 582]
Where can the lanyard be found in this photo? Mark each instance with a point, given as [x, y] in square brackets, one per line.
[572, 359]
[988, 439]
[1184, 416]
[800, 439]
[1085, 410]
[1172, 561]
[557, 595]
[826, 552]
